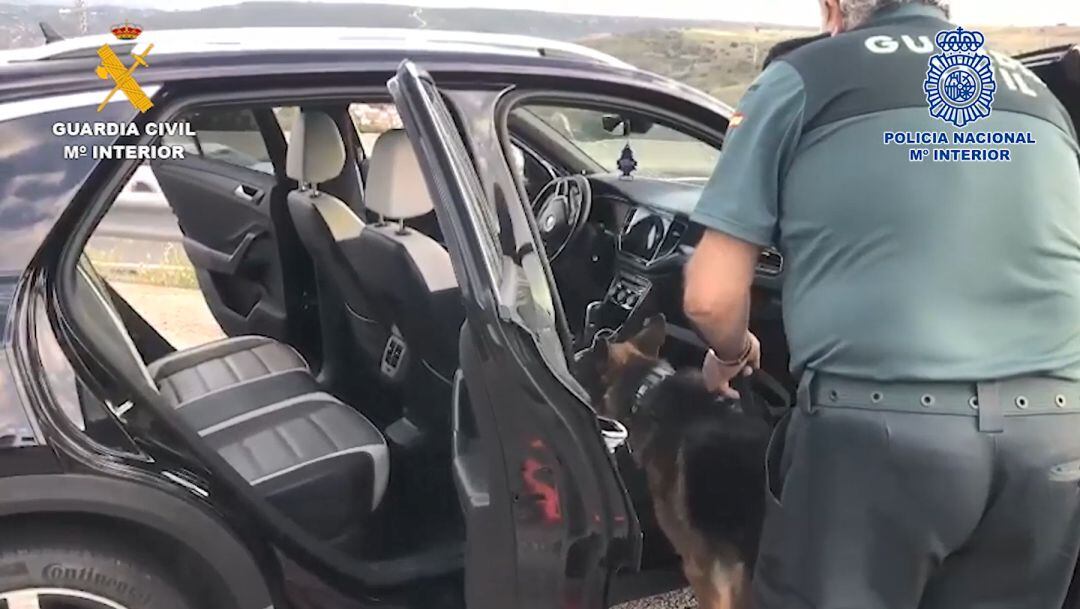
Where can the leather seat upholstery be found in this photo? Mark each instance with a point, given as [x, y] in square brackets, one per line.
[330, 232]
[191, 373]
[411, 273]
[255, 402]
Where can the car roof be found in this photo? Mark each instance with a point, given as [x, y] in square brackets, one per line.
[67, 66]
[235, 40]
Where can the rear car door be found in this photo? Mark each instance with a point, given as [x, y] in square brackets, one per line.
[547, 516]
[222, 193]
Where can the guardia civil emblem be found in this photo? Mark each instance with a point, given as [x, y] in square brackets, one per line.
[959, 83]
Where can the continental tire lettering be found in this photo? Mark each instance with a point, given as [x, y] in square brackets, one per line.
[68, 574]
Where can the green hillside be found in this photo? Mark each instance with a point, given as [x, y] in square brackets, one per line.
[724, 62]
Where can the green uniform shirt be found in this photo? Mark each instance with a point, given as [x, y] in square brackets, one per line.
[898, 269]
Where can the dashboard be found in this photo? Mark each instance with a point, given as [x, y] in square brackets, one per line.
[651, 221]
[648, 236]
[647, 223]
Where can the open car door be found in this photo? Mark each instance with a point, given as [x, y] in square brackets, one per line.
[223, 195]
[1059, 68]
[547, 517]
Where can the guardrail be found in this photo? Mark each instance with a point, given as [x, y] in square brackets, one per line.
[141, 217]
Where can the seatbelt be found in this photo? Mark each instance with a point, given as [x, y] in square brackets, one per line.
[150, 343]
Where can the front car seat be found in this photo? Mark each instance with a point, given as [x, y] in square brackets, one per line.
[330, 232]
[412, 276]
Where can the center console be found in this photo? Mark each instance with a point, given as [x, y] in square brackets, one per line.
[651, 248]
[649, 236]
[647, 239]
[627, 291]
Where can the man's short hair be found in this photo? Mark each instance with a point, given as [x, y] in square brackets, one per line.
[856, 12]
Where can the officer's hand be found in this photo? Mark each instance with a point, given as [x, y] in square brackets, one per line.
[718, 375]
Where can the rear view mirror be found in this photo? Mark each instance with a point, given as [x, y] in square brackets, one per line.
[624, 124]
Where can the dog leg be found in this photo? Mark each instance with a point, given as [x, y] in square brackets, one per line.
[744, 598]
[732, 582]
[690, 547]
[701, 582]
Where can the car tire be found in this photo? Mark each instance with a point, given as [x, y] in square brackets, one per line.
[43, 567]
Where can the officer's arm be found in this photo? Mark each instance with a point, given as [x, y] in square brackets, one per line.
[739, 208]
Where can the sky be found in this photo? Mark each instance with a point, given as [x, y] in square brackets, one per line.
[795, 12]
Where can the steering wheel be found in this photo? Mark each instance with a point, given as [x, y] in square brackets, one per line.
[561, 208]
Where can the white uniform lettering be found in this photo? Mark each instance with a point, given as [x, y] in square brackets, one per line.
[882, 45]
[923, 46]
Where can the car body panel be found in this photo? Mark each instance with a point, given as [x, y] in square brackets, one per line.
[38, 181]
[188, 525]
[517, 435]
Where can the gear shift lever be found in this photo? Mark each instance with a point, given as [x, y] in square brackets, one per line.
[592, 322]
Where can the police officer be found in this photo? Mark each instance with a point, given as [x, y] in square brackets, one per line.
[932, 311]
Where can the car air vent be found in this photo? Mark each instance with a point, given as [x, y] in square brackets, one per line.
[770, 263]
[673, 238]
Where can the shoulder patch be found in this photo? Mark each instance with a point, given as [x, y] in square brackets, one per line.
[736, 120]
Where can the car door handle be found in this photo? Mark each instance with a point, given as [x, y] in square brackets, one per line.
[225, 263]
[455, 411]
[246, 193]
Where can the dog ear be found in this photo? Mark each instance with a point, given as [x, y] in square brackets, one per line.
[593, 360]
[652, 336]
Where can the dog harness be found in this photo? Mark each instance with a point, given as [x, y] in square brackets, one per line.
[653, 377]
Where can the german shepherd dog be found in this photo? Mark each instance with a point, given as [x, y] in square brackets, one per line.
[704, 459]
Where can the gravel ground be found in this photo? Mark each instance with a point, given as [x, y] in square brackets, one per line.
[676, 599]
[179, 314]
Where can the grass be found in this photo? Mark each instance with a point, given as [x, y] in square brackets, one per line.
[163, 264]
[723, 63]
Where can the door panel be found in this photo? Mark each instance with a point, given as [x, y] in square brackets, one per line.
[547, 517]
[224, 211]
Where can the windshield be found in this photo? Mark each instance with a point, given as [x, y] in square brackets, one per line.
[660, 151]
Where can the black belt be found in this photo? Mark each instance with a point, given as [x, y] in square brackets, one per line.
[987, 400]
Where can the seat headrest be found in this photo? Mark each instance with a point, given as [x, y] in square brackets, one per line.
[396, 188]
[316, 153]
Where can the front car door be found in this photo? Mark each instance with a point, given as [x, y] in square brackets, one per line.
[1059, 68]
[547, 516]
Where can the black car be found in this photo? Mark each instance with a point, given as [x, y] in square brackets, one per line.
[388, 417]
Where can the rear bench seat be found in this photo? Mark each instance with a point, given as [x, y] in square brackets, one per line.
[254, 401]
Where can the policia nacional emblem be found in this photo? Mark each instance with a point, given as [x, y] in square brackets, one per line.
[960, 83]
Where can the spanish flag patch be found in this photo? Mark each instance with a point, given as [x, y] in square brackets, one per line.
[736, 120]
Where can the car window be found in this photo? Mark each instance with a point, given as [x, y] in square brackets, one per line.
[372, 120]
[532, 172]
[660, 150]
[138, 250]
[485, 217]
[227, 135]
[286, 118]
